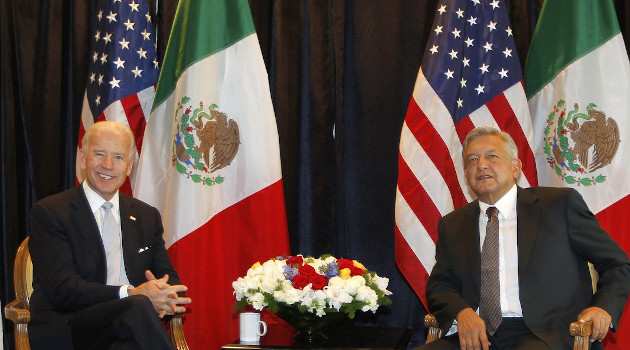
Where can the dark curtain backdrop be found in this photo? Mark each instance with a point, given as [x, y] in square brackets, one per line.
[341, 76]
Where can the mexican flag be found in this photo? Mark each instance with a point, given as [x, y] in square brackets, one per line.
[211, 163]
[577, 80]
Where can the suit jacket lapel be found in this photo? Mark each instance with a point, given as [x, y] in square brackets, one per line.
[470, 241]
[528, 221]
[128, 228]
[87, 229]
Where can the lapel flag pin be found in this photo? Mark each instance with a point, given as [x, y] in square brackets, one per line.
[133, 218]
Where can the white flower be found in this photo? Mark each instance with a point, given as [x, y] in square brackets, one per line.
[353, 284]
[382, 283]
[320, 311]
[368, 295]
[337, 296]
[319, 265]
[320, 296]
[272, 269]
[288, 294]
[240, 288]
[268, 285]
[336, 281]
[257, 301]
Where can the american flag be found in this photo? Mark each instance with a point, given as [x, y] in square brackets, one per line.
[123, 70]
[470, 76]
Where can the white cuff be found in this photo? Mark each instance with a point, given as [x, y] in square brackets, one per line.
[124, 291]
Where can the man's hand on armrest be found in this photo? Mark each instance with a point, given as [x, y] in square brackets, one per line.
[601, 321]
[163, 296]
[472, 330]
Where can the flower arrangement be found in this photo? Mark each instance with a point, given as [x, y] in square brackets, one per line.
[317, 286]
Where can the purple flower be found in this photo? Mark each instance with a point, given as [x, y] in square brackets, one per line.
[289, 272]
[331, 270]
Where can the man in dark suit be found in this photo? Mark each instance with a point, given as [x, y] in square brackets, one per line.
[546, 237]
[95, 256]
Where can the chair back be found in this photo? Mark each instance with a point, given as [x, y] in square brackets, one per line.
[23, 273]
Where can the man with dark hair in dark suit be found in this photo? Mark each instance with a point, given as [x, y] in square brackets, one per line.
[95, 256]
[536, 282]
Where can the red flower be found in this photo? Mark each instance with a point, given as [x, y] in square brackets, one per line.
[347, 264]
[319, 281]
[344, 264]
[189, 129]
[307, 270]
[356, 271]
[300, 281]
[295, 260]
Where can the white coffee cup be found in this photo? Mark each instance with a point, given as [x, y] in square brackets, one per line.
[250, 327]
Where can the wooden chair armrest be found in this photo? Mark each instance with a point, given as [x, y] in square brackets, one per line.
[17, 311]
[434, 332]
[582, 332]
[177, 332]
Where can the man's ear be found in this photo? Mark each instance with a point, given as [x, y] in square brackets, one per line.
[517, 166]
[82, 158]
[130, 168]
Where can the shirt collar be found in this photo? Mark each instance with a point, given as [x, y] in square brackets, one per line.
[504, 205]
[96, 201]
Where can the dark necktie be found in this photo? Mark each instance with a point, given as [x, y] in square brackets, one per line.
[111, 243]
[490, 303]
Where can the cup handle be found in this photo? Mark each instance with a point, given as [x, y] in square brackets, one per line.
[264, 326]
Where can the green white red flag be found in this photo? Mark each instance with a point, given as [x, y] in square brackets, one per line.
[577, 80]
[211, 163]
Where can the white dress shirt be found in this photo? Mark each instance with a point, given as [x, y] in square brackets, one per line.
[508, 253]
[96, 201]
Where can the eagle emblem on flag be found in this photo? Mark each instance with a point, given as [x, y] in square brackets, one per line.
[203, 142]
[578, 144]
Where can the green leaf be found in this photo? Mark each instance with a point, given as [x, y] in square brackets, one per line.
[600, 179]
[567, 155]
[196, 178]
[547, 149]
[570, 180]
[558, 170]
[563, 141]
[586, 181]
[219, 179]
[185, 99]
[189, 140]
[180, 168]
[208, 181]
[192, 153]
